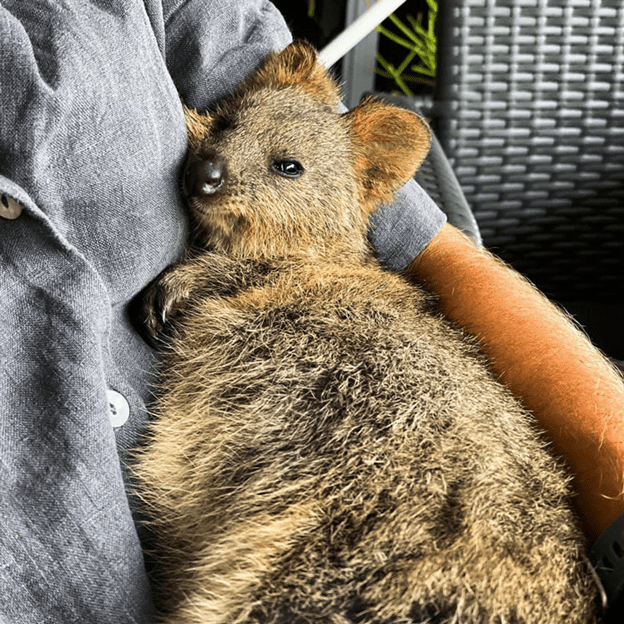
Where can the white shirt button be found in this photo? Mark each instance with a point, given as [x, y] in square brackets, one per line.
[9, 208]
[118, 408]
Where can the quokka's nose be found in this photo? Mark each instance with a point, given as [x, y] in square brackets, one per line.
[204, 177]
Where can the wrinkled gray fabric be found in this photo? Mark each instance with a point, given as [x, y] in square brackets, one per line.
[91, 144]
[91, 141]
[401, 230]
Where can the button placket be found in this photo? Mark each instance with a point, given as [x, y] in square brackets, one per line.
[118, 408]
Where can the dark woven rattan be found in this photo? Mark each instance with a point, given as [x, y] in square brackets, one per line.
[530, 108]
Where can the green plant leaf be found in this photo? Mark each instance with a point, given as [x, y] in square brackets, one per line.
[421, 44]
[390, 35]
[402, 27]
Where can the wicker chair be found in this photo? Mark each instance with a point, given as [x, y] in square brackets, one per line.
[530, 111]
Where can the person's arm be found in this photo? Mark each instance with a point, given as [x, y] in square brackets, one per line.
[574, 392]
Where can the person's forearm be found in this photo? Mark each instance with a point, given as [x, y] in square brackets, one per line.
[574, 392]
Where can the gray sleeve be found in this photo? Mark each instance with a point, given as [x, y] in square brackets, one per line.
[212, 46]
[400, 231]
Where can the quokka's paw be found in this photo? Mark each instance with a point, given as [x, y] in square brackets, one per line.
[155, 314]
[155, 308]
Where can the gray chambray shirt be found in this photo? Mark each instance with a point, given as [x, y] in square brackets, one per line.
[92, 141]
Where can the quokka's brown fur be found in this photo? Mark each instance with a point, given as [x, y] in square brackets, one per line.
[327, 448]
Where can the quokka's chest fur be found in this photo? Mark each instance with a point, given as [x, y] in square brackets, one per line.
[328, 443]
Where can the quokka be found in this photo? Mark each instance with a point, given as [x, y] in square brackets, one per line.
[326, 447]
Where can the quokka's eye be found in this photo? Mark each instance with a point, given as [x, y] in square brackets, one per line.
[288, 168]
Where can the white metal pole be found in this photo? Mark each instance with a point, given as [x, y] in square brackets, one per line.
[355, 32]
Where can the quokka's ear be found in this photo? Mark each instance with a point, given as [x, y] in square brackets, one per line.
[197, 126]
[390, 144]
[297, 64]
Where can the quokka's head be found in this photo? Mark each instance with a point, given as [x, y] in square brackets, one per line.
[277, 171]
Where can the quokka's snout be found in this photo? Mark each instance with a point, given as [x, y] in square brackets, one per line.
[204, 176]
